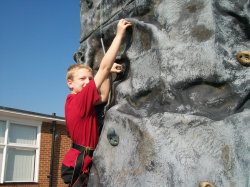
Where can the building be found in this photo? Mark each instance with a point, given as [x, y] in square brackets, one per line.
[32, 146]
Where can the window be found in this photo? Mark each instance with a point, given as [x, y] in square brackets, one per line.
[19, 149]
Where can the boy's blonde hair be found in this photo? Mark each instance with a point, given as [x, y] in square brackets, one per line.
[72, 68]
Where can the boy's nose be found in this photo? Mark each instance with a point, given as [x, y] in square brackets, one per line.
[86, 81]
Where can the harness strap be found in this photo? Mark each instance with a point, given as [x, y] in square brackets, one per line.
[79, 161]
[89, 150]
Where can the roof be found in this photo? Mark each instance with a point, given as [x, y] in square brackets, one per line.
[30, 115]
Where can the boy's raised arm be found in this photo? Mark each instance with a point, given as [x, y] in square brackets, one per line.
[110, 56]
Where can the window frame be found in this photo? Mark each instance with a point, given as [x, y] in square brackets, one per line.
[5, 145]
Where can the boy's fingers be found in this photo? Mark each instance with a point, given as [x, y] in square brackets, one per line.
[125, 22]
[118, 71]
[118, 67]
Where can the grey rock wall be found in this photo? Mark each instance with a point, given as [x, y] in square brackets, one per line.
[181, 110]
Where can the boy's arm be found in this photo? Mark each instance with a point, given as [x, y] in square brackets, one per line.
[105, 87]
[109, 57]
[104, 91]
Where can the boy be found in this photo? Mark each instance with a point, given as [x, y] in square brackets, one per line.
[80, 113]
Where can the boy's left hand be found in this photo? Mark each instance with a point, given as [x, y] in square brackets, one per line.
[116, 68]
[121, 27]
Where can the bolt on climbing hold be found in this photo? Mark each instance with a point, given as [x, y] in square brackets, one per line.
[206, 184]
[113, 138]
[244, 57]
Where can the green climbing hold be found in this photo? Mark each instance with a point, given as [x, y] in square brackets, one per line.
[113, 138]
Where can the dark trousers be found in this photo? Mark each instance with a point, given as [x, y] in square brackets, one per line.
[67, 173]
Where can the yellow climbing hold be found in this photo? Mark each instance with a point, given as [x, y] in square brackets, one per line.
[244, 57]
[206, 184]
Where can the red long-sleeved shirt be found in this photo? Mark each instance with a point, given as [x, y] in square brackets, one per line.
[81, 122]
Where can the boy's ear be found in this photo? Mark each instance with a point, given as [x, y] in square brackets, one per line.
[69, 83]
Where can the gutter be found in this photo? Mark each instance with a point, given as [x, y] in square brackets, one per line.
[53, 131]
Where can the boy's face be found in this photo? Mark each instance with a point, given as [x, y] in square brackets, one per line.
[81, 78]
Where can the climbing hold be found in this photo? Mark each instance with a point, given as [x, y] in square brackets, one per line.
[113, 138]
[244, 57]
[206, 184]
[89, 3]
[79, 57]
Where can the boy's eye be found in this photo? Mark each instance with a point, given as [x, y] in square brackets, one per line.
[83, 78]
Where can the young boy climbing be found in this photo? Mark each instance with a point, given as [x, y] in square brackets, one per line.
[86, 91]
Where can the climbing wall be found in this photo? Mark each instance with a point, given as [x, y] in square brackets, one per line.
[179, 115]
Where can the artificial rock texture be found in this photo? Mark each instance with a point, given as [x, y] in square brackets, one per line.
[181, 110]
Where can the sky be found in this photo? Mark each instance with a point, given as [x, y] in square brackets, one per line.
[38, 39]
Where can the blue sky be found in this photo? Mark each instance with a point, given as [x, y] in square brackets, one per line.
[37, 41]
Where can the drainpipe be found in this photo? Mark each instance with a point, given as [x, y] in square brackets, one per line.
[53, 131]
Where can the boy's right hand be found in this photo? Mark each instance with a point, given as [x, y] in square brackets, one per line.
[116, 68]
[121, 27]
